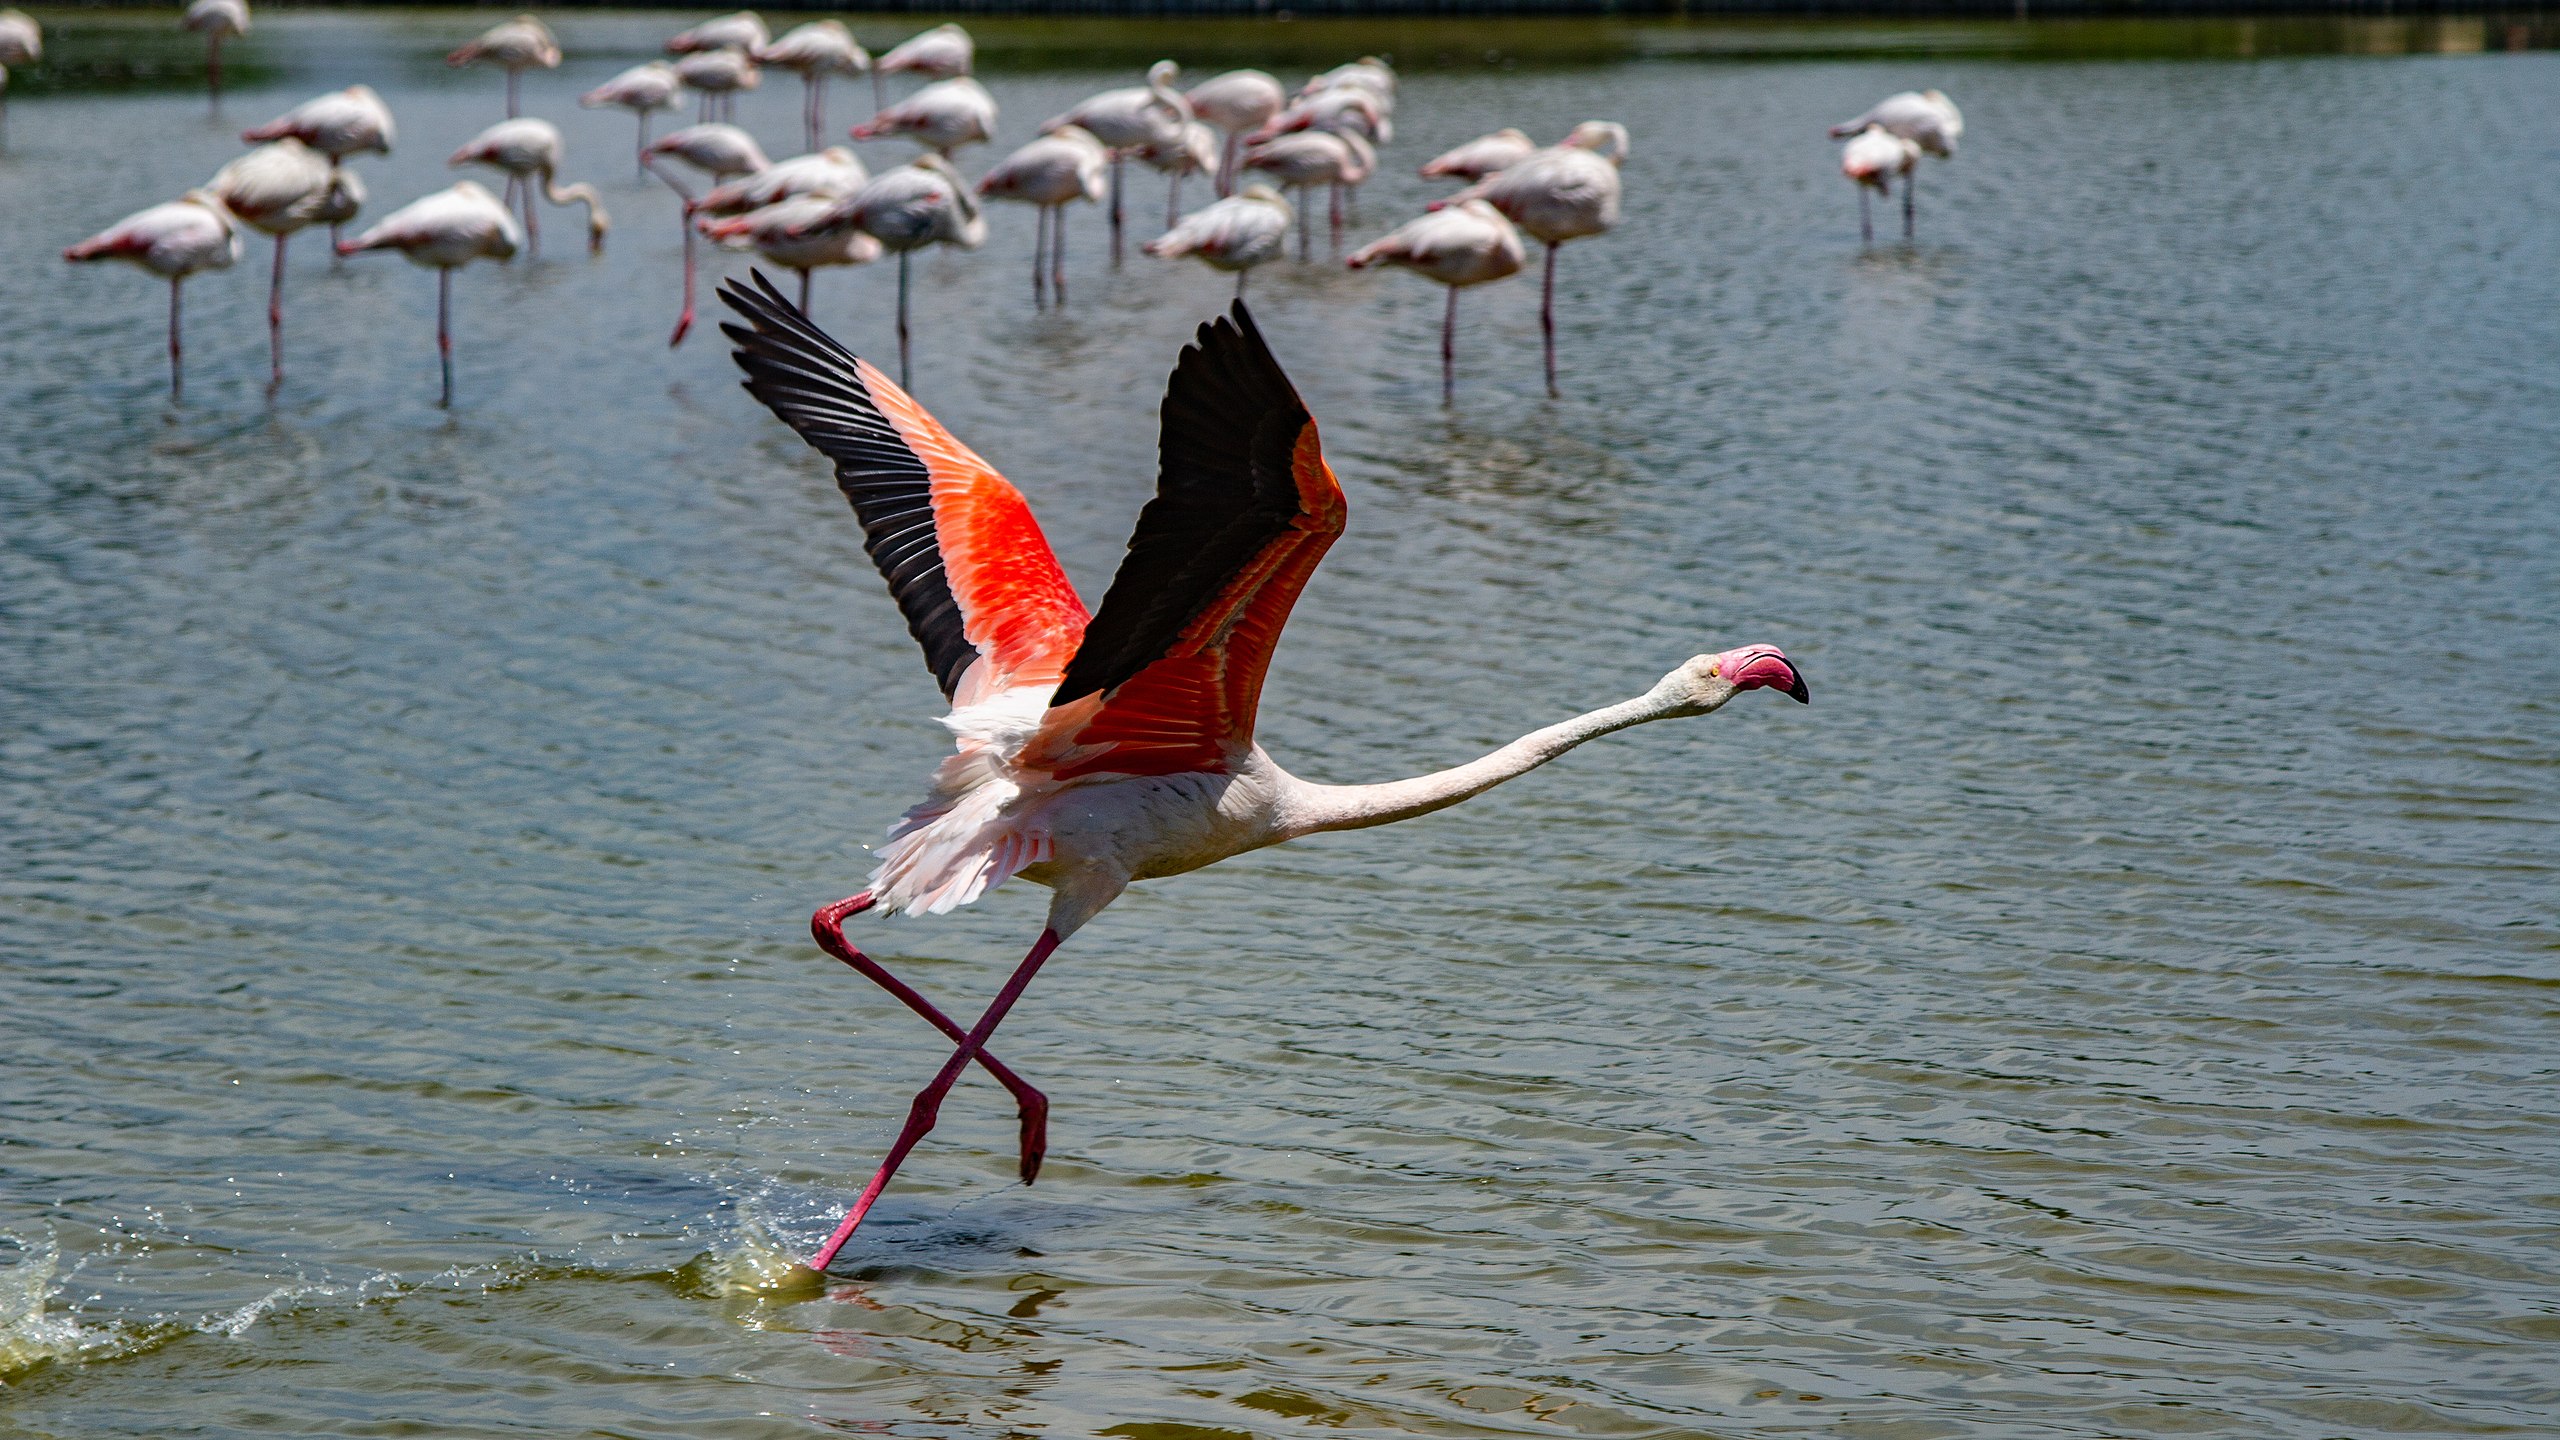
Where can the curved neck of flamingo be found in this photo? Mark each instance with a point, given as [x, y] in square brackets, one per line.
[1356, 807]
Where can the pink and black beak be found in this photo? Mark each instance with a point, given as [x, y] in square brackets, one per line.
[1755, 667]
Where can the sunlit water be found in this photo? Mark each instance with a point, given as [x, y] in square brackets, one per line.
[2123, 1003]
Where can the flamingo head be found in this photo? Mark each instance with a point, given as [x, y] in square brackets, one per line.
[1708, 681]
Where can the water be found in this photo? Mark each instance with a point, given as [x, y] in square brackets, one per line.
[2122, 1004]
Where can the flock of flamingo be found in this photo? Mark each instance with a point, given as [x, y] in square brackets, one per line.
[1256, 142]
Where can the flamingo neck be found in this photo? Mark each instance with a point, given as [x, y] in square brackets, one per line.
[1317, 808]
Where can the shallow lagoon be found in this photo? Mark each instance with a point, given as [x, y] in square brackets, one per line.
[2122, 1004]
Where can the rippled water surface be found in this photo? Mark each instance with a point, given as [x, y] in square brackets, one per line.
[2122, 1004]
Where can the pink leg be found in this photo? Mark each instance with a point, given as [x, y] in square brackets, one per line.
[684, 320]
[828, 926]
[928, 1102]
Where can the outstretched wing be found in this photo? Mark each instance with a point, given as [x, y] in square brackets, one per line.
[1170, 672]
[964, 559]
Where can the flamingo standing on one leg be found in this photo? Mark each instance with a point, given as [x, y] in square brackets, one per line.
[530, 152]
[1872, 160]
[1234, 234]
[800, 233]
[172, 241]
[717, 76]
[515, 46]
[826, 175]
[722, 151]
[444, 232]
[941, 53]
[216, 21]
[923, 202]
[1129, 120]
[1236, 102]
[642, 88]
[1560, 193]
[1926, 118]
[1484, 156]
[1310, 158]
[1052, 172]
[816, 50]
[1194, 152]
[338, 124]
[278, 188]
[1466, 244]
[1104, 749]
[21, 43]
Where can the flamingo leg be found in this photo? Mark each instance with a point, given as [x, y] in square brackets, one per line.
[902, 329]
[1058, 257]
[444, 331]
[879, 96]
[177, 349]
[1449, 350]
[335, 259]
[1334, 217]
[1547, 320]
[828, 926]
[513, 76]
[213, 67]
[684, 318]
[532, 224]
[1117, 165]
[275, 320]
[1910, 184]
[1866, 220]
[813, 115]
[928, 1101]
[1173, 200]
[1227, 167]
[1240, 275]
[805, 277]
[641, 150]
[1303, 252]
[1040, 260]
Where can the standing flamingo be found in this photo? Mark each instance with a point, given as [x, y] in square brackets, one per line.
[1871, 160]
[941, 117]
[816, 50]
[530, 152]
[444, 232]
[216, 21]
[172, 241]
[1097, 750]
[21, 43]
[941, 53]
[1052, 172]
[1366, 73]
[1465, 244]
[1485, 155]
[742, 31]
[923, 202]
[515, 46]
[1128, 120]
[799, 233]
[1311, 158]
[338, 124]
[1193, 152]
[1561, 193]
[278, 188]
[717, 76]
[832, 173]
[1346, 108]
[1926, 118]
[1233, 234]
[1236, 102]
[718, 150]
[640, 89]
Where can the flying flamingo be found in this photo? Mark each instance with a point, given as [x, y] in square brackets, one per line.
[216, 21]
[278, 188]
[1561, 193]
[816, 50]
[1235, 234]
[1128, 120]
[718, 150]
[1485, 155]
[1236, 102]
[1052, 172]
[1871, 160]
[940, 53]
[717, 76]
[640, 89]
[1465, 244]
[744, 31]
[517, 45]
[1310, 158]
[923, 202]
[941, 117]
[1099, 750]
[172, 241]
[338, 124]
[1926, 118]
[799, 233]
[21, 43]
[444, 232]
[530, 152]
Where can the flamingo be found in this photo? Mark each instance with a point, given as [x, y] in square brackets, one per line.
[172, 241]
[1343, 109]
[21, 43]
[1194, 152]
[1366, 73]
[278, 188]
[1236, 102]
[798, 233]
[816, 50]
[216, 21]
[1128, 120]
[1099, 750]
[742, 31]
[1561, 193]
[834, 172]
[827, 175]
[444, 232]
[941, 117]
[516, 46]
[1236, 233]
[1926, 118]
[1052, 172]
[338, 124]
[717, 76]
[923, 202]
[1310, 158]
[721, 151]
[640, 89]
[1871, 160]
[941, 53]
[1465, 244]
[1481, 157]
[530, 152]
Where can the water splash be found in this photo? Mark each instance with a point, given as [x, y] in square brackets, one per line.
[28, 1336]
[752, 1262]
